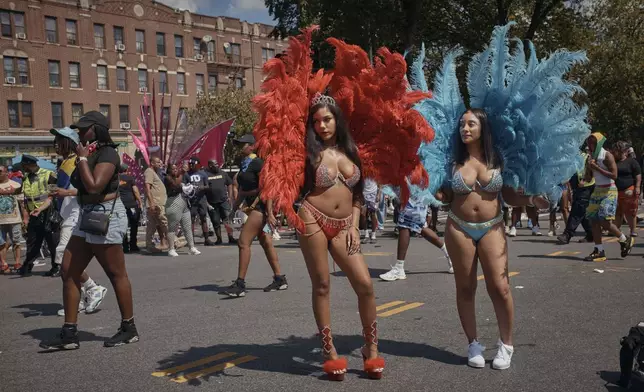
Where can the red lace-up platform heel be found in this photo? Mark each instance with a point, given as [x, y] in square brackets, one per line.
[373, 367]
[334, 368]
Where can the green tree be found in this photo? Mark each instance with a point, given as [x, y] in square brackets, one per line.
[223, 105]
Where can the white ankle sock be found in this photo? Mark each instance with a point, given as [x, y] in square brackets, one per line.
[366, 233]
[599, 247]
[89, 284]
[444, 249]
[622, 238]
[400, 264]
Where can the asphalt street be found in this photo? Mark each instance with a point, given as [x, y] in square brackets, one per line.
[569, 320]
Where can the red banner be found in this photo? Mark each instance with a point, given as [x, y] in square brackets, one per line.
[211, 145]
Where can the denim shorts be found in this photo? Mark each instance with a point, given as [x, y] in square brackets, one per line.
[115, 232]
[413, 218]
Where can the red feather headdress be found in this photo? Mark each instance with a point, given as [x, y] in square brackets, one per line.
[375, 100]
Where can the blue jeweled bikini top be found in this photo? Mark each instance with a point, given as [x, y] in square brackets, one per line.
[459, 186]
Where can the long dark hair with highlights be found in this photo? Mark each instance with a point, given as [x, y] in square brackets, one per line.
[492, 157]
[315, 145]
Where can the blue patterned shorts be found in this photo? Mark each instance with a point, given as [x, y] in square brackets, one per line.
[413, 218]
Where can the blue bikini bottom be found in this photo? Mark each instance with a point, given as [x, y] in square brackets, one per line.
[475, 230]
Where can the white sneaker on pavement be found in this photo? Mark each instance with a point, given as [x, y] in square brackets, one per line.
[512, 232]
[450, 267]
[536, 231]
[503, 356]
[94, 297]
[394, 274]
[194, 251]
[173, 253]
[81, 304]
[475, 355]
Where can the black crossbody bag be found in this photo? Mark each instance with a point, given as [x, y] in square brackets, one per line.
[95, 221]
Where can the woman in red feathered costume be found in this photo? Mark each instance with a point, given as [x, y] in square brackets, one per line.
[312, 149]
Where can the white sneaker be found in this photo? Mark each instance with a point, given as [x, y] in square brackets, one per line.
[394, 274]
[450, 267]
[173, 253]
[536, 231]
[193, 251]
[94, 298]
[507, 229]
[552, 233]
[513, 232]
[276, 236]
[475, 355]
[503, 357]
[81, 304]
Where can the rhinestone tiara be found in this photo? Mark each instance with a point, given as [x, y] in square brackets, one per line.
[319, 98]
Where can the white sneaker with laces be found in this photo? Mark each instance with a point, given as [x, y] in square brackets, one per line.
[94, 298]
[503, 356]
[394, 274]
[475, 355]
[513, 232]
[194, 251]
[81, 304]
[173, 253]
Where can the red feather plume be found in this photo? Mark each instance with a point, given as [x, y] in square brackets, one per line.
[377, 102]
[283, 108]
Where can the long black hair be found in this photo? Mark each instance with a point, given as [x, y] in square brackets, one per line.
[103, 136]
[314, 146]
[491, 156]
[65, 144]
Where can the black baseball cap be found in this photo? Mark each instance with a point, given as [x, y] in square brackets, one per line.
[90, 118]
[247, 138]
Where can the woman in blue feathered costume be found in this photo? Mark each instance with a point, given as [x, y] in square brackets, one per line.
[519, 141]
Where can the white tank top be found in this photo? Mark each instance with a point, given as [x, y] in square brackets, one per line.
[601, 179]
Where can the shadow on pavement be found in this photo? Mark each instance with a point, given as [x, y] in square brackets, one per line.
[42, 334]
[561, 257]
[289, 245]
[217, 288]
[612, 378]
[39, 309]
[295, 355]
[538, 241]
[376, 272]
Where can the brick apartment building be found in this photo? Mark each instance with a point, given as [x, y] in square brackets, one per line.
[63, 57]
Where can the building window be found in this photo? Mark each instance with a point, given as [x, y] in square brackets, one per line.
[54, 73]
[57, 114]
[235, 53]
[267, 54]
[211, 50]
[101, 72]
[12, 23]
[160, 44]
[118, 35]
[77, 112]
[140, 41]
[70, 30]
[199, 83]
[51, 30]
[99, 36]
[74, 75]
[181, 83]
[105, 111]
[11, 64]
[163, 81]
[212, 83]
[196, 45]
[20, 114]
[178, 46]
[239, 82]
[143, 79]
[124, 114]
[121, 79]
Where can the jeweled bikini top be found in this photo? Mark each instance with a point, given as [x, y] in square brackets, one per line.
[494, 186]
[325, 179]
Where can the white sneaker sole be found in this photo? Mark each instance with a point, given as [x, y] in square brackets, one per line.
[504, 367]
[393, 279]
[476, 365]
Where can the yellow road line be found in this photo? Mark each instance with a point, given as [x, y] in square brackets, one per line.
[377, 254]
[213, 369]
[562, 253]
[189, 365]
[481, 277]
[388, 305]
[401, 309]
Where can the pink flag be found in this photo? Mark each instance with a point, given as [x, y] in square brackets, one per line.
[142, 147]
[211, 145]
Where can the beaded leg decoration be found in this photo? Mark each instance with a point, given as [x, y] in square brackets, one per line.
[334, 368]
[373, 367]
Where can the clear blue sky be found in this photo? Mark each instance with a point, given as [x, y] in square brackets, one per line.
[249, 10]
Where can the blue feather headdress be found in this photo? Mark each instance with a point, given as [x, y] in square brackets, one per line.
[536, 126]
